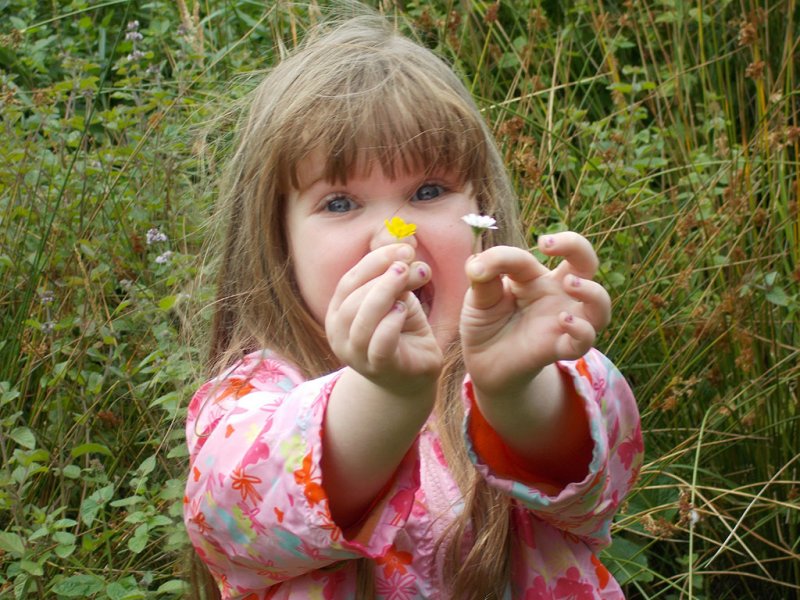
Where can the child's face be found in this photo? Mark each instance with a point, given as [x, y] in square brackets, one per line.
[332, 226]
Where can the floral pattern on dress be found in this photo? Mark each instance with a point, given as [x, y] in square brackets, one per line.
[257, 512]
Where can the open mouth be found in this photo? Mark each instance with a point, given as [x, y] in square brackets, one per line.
[425, 297]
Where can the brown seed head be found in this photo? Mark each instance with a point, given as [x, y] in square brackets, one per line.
[747, 34]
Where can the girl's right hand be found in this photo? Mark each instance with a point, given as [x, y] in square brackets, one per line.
[376, 326]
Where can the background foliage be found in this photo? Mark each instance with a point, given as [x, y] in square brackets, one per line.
[666, 131]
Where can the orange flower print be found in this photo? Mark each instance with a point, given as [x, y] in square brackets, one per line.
[200, 522]
[600, 570]
[394, 560]
[235, 387]
[313, 491]
[245, 484]
[583, 369]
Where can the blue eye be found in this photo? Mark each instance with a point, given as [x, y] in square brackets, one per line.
[339, 204]
[428, 191]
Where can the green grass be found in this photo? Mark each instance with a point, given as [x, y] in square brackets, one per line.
[667, 132]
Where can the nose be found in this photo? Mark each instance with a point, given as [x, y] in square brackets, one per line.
[382, 237]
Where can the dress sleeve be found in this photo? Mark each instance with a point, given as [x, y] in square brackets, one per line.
[583, 508]
[255, 508]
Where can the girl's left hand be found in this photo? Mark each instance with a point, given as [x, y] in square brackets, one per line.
[519, 316]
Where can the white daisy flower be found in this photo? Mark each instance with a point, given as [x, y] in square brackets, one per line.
[479, 222]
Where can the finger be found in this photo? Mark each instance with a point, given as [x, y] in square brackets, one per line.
[485, 273]
[594, 297]
[578, 253]
[385, 338]
[416, 322]
[372, 265]
[577, 339]
[419, 273]
[369, 310]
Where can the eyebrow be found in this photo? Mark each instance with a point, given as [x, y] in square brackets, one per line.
[314, 179]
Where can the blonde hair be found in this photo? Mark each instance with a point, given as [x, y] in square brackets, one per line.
[364, 95]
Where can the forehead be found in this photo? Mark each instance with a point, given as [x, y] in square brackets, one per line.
[336, 137]
[315, 168]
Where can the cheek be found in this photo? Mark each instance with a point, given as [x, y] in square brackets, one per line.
[318, 267]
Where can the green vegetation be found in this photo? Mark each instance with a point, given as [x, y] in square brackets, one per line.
[667, 132]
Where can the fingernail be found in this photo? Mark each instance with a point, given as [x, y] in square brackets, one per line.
[399, 306]
[405, 252]
[575, 281]
[475, 268]
[569, 318]
[399, 268]
[422, 272]
[548, 241]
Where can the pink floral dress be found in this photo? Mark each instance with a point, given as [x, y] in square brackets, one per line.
[257, 513]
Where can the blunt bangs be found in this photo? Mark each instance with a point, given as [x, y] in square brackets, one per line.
[389, 107]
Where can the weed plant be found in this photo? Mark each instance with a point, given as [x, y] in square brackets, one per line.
[666, 131]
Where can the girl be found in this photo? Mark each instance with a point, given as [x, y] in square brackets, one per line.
[398, 419]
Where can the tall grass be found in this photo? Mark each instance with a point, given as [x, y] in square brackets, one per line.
[667, 132]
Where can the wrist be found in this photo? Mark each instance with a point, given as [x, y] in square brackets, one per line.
[524, 412]
[409, 393]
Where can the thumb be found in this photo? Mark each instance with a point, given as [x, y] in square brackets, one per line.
[486, 288]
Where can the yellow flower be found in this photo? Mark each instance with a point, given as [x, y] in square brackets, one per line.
[399, 228]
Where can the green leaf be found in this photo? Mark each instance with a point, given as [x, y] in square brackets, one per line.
[124, 589]
[62, 523]
[167, 302]
[116, 591]
[64, 551]
[170, 399]
[139, 540]
[79, 586]
[71, 471]
[39, 533]
[64, 538]
[24, 437]
[778, 297]
[11, 543]
[770, 278]
[626, 561]
[92, 504]
[173, 586]
[622, 88]
[89, 448]
[32, 567]
[147, 466]
[180, 451]
[8, 394]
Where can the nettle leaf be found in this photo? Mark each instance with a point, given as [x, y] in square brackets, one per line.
[92, 504]
[174, 586]
[32, 567]
[79, 586]
[139, 540]
[147, 465]
[124, 590]
[64, 538]
[64, 550]
[11, 543]
[778, 296]
[24, 437]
